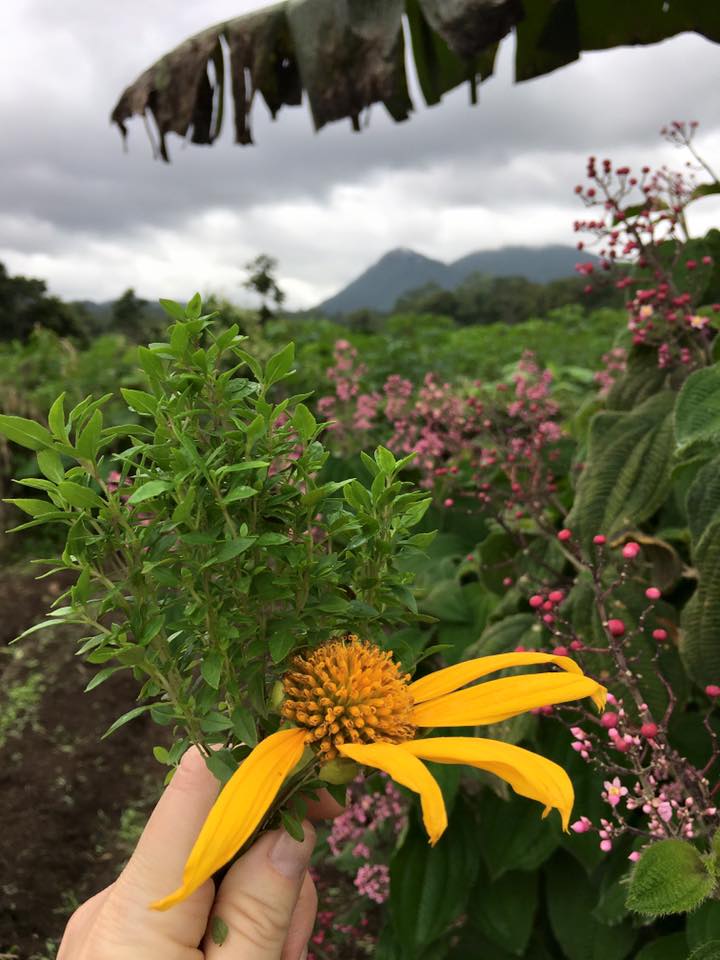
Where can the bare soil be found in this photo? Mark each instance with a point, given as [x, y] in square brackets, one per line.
[64, 793]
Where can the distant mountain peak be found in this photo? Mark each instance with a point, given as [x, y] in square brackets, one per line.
[403, 269]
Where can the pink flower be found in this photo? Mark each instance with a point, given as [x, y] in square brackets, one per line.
[614, 791]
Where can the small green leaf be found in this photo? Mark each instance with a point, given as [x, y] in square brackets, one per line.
[708, 951]
[161, 754]
[279, 365]
[89, 439]
[79, 496]
[240, 492]
[126, 718]
[172, 309]
[304, 422]
[244, 727]
[385, 460]
[139, 400]
[194, 307]
[147, 491]
[232, 548]
[26, 433]
[211, 669]
[292, 825]
[51, 465]
[670, 877]
[56, 419]
[218, 930]
[36, 508]
[280, 645]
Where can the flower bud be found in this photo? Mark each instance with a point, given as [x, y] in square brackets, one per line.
[712, 690]
[649, 730]
[659, 634]
[652, 593]
[616, 627]
[631, 550]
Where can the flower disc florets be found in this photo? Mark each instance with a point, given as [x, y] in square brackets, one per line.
[348, 691]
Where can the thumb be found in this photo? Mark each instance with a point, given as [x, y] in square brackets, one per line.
[257, 898]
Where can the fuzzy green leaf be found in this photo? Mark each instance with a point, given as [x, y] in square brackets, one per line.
[670, 877]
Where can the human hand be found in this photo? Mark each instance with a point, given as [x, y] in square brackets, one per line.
[267, 898]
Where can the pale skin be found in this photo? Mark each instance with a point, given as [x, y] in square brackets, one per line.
[267, 898]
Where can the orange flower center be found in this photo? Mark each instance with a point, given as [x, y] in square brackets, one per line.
[348, 691]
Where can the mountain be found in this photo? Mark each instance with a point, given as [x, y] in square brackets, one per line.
[403, 270]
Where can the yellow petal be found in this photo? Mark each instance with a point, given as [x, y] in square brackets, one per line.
[238, 810]
[497, 700]
[528, 773]
[408, 771]
[452, 678]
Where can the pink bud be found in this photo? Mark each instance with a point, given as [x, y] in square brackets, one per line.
[712, 690]
[556, 596]
[560, 651]
[634, 856]
[652, 593]
[449, 502]
[507, 581]
[649, 730]
[599, 539]
[564, 535]
[536, 601]
[621, 745]
[606, 846]
[576, 645]
[548, 618]
[609, 720]
[616, 627]
[580, 826]
[631, 550]
[659, 634]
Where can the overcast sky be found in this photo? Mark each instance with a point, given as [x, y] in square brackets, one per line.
[93, 220]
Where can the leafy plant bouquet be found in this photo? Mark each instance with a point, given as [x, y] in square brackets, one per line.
[254, 601]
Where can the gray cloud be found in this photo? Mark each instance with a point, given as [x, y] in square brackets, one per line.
[77, 209]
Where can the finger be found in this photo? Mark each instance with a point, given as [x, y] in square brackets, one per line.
[302, 921]
[324, 808]
[79, 925]
[156, 866]
[257, 898]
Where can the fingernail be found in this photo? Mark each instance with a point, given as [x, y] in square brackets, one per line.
[290, 857]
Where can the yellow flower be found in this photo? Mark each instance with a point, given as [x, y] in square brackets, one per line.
[349, 698]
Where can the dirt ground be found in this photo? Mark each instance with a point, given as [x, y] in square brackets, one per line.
[70, 803]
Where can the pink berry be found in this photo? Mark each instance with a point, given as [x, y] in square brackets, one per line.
[536, 601]
[621, 745]
[560, 651]
[548, 618]
[605, 846]
[659, 634]
[564, 534]
[556, 596]
[649, 730]
[547, 606]
[631, 550]
[712, 690]
[609, 720]
[576, 645]
[652, 593]
[616, 627]
[449, 502]
[599, 539]
[507, 581]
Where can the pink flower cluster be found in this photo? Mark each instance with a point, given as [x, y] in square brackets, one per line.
[644, 772]
[640, 216]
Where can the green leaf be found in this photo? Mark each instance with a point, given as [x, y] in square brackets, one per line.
[79, 496]
[700, 621]
[36, 508]
[218, 930]
[26, 433]
[232, 548]
[139, 400]
[669, 877]
[240, 492]
[126, 718]
[89, 439]
[279, 365]
[703, 924]
[101, 676]
[292, 825]
[627, 474]
[172, 309]
[211, 669]
[385, 460]
[504, 911]
[571, 898]
[153, 488]
[666, 948]
[243, 724]
[194, 307]
[56, 419]
[697, 412]
[280, 645]
[429, 886]
[304, 422]
[708, 951]
[51, 465]
[514, 837]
